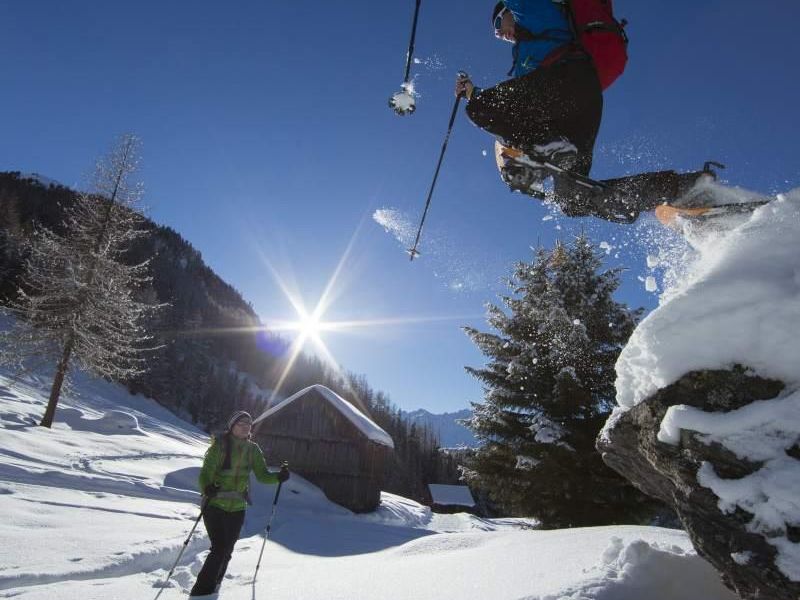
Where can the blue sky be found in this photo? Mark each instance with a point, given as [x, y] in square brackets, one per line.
[266, 135]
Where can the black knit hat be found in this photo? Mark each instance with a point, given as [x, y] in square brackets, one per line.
[497, 8]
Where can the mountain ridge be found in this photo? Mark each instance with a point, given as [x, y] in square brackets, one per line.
[445, 425]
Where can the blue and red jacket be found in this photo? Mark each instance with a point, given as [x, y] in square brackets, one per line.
[547, 21]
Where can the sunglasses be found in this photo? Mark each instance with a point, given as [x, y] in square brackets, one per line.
[498, 20]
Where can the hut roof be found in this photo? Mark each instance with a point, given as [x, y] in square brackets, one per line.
[364, 424]
[453, 495]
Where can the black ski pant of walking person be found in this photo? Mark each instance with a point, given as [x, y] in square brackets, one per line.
[223, 530]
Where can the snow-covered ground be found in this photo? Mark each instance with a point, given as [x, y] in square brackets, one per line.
[98, 508]
[736, 301]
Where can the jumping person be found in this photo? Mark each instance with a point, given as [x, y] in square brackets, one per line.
[550, 110]
[224, 481]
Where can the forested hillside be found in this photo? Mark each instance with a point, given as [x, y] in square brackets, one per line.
[212, 355]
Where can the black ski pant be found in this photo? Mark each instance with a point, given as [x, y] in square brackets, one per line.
[559, 100]
[223, 529]
[623, 198]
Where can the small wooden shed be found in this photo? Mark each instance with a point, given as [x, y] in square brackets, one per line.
[451, 499]
[329, 442]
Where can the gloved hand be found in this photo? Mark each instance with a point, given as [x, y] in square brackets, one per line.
[283, 474]
[464, 87]
[210, 490]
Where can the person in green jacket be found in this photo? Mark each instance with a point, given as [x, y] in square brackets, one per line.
[224, 481]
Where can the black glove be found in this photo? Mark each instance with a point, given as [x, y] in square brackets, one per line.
[283, 474]
[210, 490]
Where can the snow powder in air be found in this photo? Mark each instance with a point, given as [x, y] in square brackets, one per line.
[457, 266]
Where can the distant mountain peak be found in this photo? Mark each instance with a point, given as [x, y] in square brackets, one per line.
[445, 425]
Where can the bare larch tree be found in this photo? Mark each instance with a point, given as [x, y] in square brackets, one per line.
[76, 304]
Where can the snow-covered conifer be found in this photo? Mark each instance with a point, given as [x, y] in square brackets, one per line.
[549, 386]
[76, 304]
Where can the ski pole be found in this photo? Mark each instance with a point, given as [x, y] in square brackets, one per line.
[403, 102]
[413, 252]
[269, 524]
[411, 43]
[185, 544]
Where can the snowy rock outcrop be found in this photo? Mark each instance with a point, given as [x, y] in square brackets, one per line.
[722, 532]
[709, 395]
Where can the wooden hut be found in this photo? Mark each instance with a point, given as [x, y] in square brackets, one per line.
[329, 442]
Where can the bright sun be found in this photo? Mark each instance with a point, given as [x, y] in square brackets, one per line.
[309, 326]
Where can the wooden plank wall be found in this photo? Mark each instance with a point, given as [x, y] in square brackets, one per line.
[323, 446]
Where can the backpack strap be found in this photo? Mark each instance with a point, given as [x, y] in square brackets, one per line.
[521, 34]
[526, 35]
[225, 443]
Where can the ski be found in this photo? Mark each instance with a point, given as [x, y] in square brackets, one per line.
[671, 215]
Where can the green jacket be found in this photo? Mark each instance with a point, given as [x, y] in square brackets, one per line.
[246, 456]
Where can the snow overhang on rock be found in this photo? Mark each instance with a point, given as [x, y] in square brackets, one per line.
[364, 424]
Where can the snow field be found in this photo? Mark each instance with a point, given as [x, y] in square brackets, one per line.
[98, 508]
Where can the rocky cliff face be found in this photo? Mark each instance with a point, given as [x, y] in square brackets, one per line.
[726, 500]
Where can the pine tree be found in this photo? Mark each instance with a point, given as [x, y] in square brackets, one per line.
[549, 387]
[76, 304]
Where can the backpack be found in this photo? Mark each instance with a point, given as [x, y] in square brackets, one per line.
[601, 35]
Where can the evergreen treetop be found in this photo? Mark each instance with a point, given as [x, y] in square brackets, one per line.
[548, 388]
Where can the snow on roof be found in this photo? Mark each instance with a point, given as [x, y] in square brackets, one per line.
[453, 495]
[364, 424]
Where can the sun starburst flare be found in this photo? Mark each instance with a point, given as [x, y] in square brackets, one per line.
[308, 326]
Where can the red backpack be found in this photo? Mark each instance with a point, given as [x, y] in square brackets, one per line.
[601, 35]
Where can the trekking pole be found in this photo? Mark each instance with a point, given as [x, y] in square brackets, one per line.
[403, 101]
[411, 43]
[269, 523]
[185, 544]
[413, 252]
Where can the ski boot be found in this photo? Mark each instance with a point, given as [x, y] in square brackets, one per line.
[523, 178]
[562, 153]
[526, 172]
